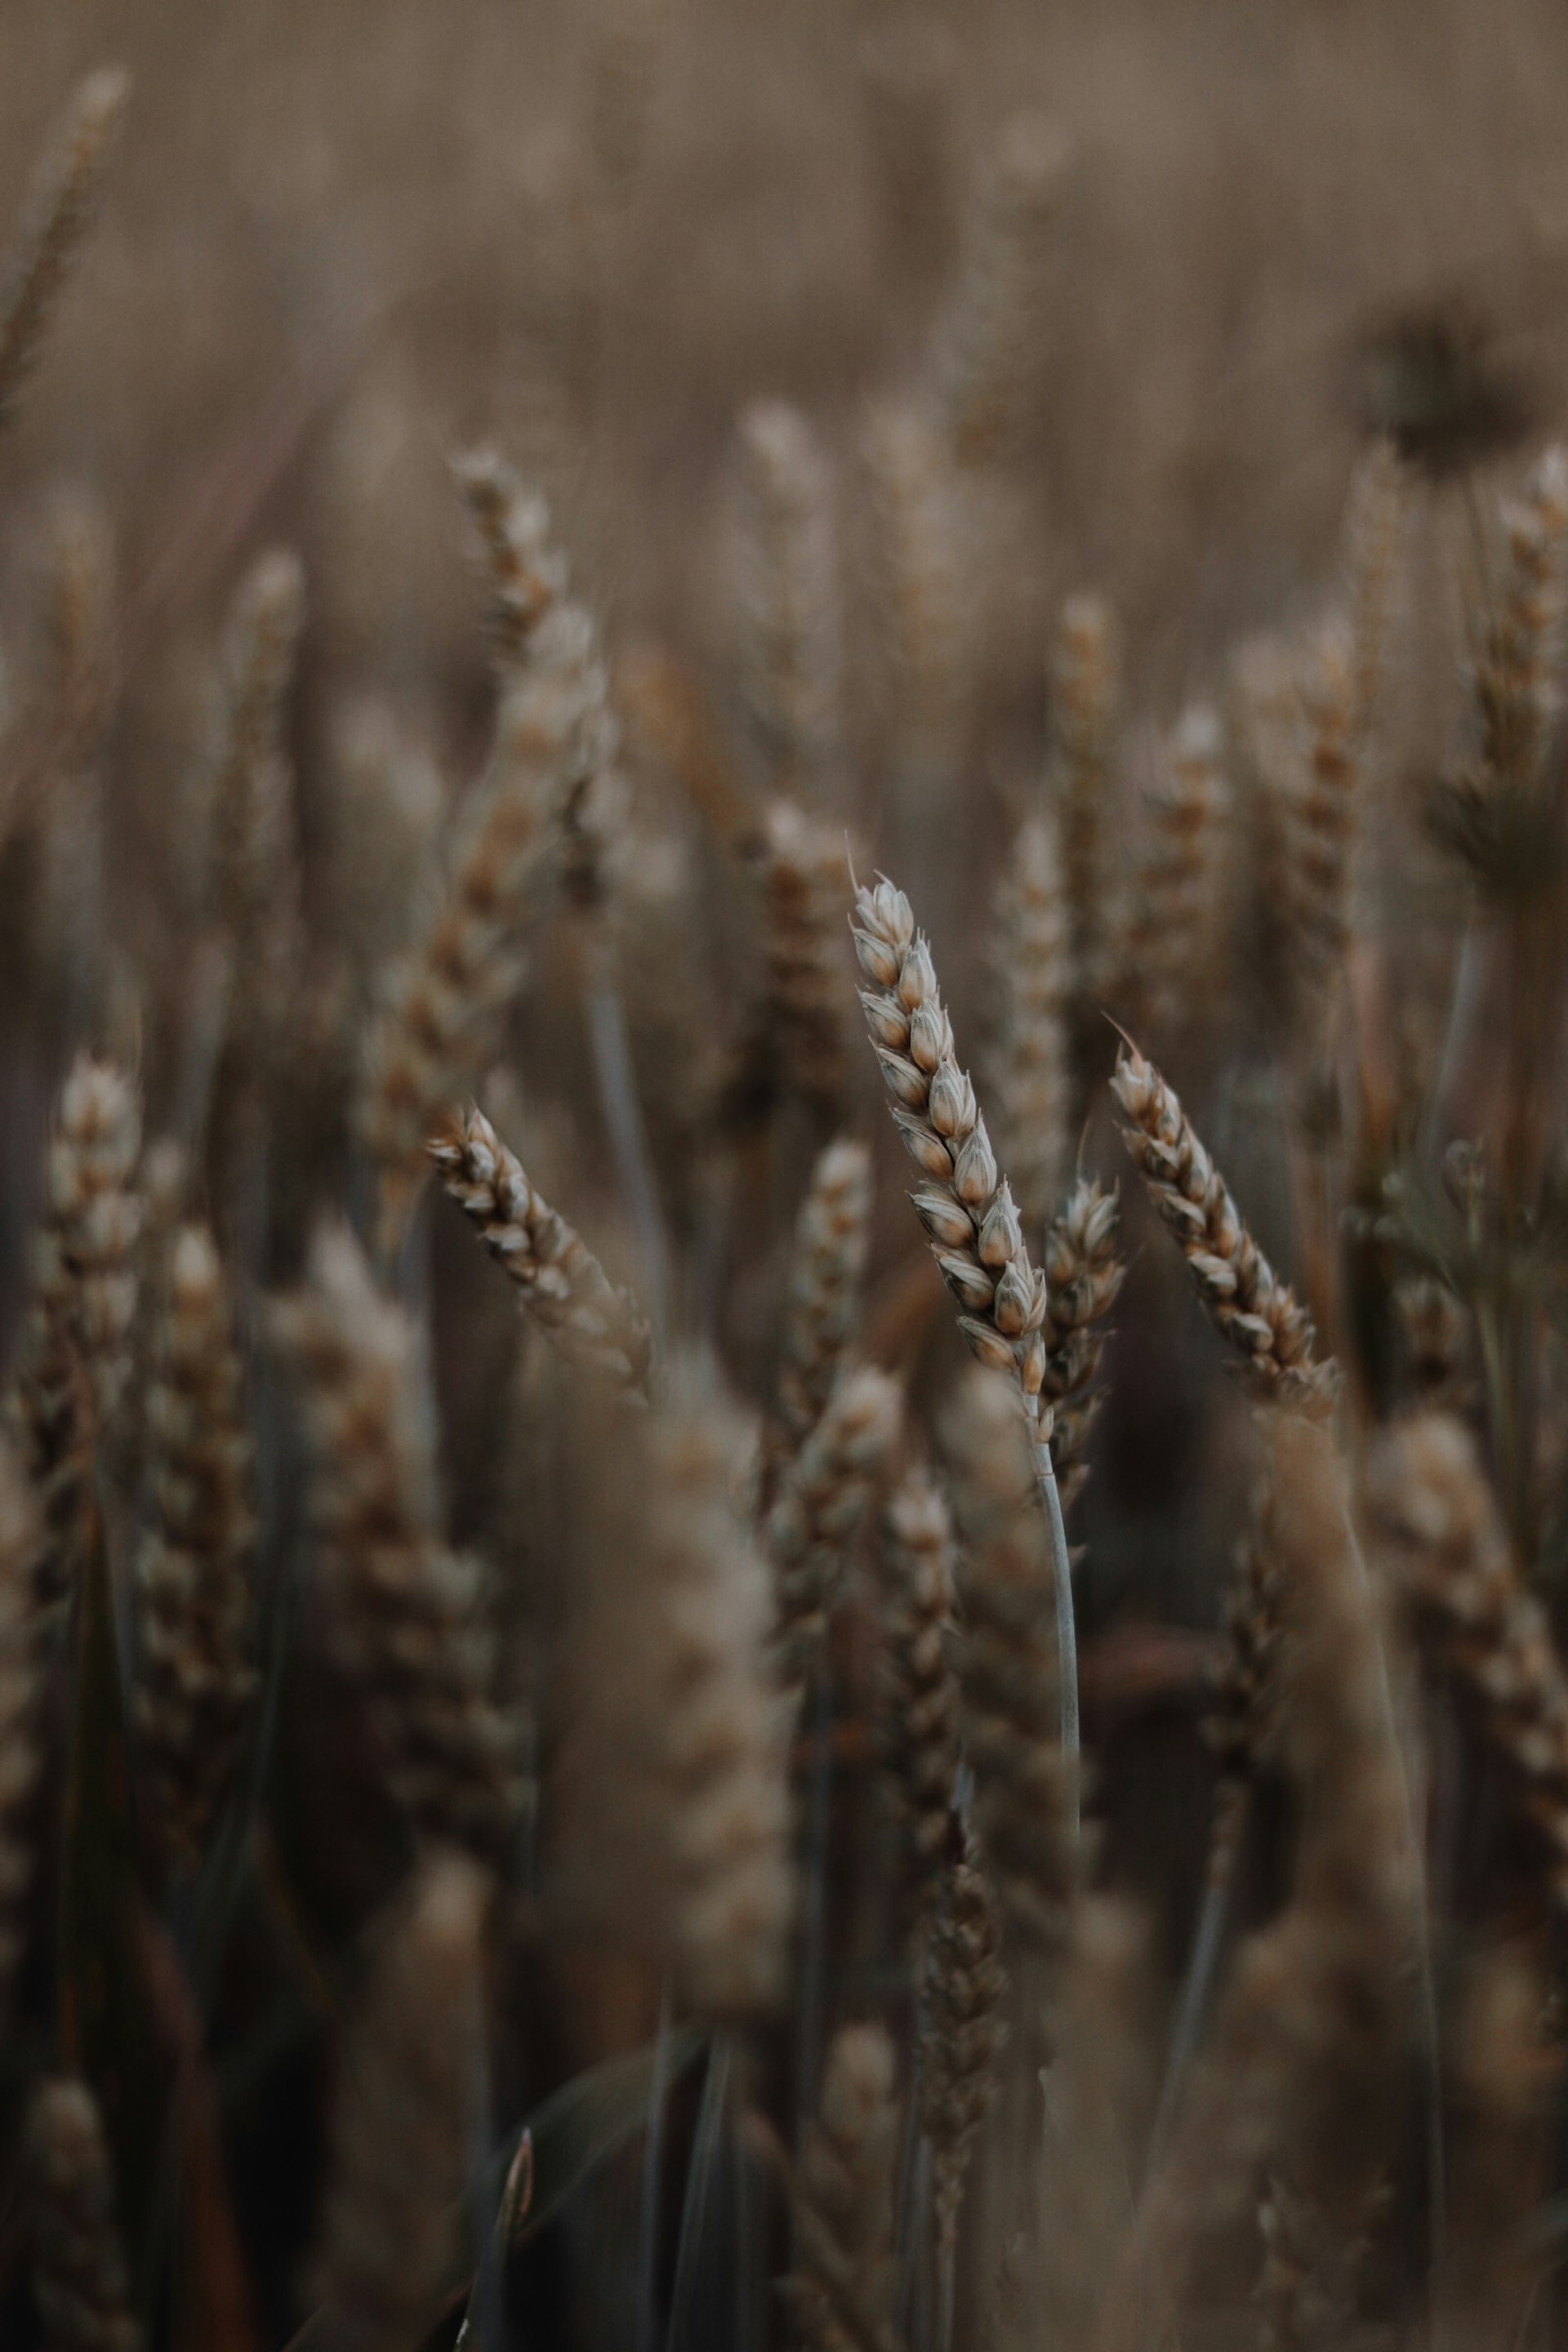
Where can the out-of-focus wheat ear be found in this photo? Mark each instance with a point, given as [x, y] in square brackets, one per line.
[988, 343]
[1436, 1340]
[823, 1297]
[924, 618]
[1503, 2107]
[1170, 962]
[1518, 658]
[255, 881]
[1322, 815]
[1376, 514]
[672, 1819]
[1007, 1680]
[842, 2290]
[1241, 1723]
[1082, 680]
[20, 1744]
[195, 1678]
[1246, 1302]
[1435, 1521]
[1029, 1071]
[917, 1716]
[80, 618]
[81, 2289]
[405, 2115]
[388, 805]
[816, 1514]
[60, 211]
[563, 1285]
[961, 2034]
[525, 572]
[1309, 2288]
[406, 1617]
[802, 877]
[1084, 1273]
[441, 1001]
[787, 600]
[74, 1353]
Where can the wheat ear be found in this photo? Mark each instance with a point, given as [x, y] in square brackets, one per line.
[818, 1511]
[1171, 953]
[195, 1677]
[563, 1287]
[787, 599]
[254, 868]
[802, 872]
[822, 1301]
[961, 2036]
[406, 1616]
[81, 2286]
[405, 2114]
[842, 2291]
[1435, 1516]
[923, 611]
[81, 628]
[1516, 689]
[965, 1205]
[21, 1753]
[1083, 690]
[917, 1718]
[1084, 1271]
[1028, 1070]
[1246, 1302]
[60, 211]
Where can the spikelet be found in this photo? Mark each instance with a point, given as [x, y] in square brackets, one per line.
[966, 1209]
[1028, 1073]
[787, 600]
[917, 1717]
[254, 855]
[20, 1743]
[406, 1616]
[801, 873]
[841, 2296]
[672, 1790]
[816, 1514]
[821, 1305]
[405, 2115]
[1170, 962]
[76, 1355]
[563, 1287]
[1008, 1674]
[195, 1678]
[443, 998]
[986, 346]
[1437, 1521]
[60, 211]
[1246, 1302]
[923, 613]
[1083, 686]
[81, 2286]
[1084, 1271]
[961, 2032]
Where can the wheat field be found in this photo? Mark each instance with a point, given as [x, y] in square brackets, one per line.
[783, 1177]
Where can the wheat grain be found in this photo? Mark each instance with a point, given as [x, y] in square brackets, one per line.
[563, 1287]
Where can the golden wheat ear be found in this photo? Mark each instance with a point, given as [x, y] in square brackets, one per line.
[60, 211]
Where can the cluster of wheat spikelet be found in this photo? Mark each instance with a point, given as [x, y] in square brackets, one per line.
[561, 1778]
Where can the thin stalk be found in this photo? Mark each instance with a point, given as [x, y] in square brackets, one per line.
[628, 1137]
[652, 2182]
[699, 2181]
[1066, 1630]
[946, 2284]
[1192, 2007]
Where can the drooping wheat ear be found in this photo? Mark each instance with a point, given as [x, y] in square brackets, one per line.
[194, 1677]
[81, 614]
[1306, 2074]
[1083, 691]
[802, 871]
[965, 1205]
[407, 1618]
[21, 1757]
[405, 2115]
[923, 613]
[986, 346]
[75, 1355]
[1241, 1723]
[1517, 661]
[842, 2293]
[1171, 956]
[60, 211]
[1028, 1070]
[788, 600]
[563, 1287]
[1084, 1271]
[443, 998]
[822, 1303]
[917, 1718]
[254, 852]
[81, 2286]
[673, 1774]
[961, 2030]
[818, 1511]
[1435, 1519]
[1008, 1675]
[1246, 1302]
